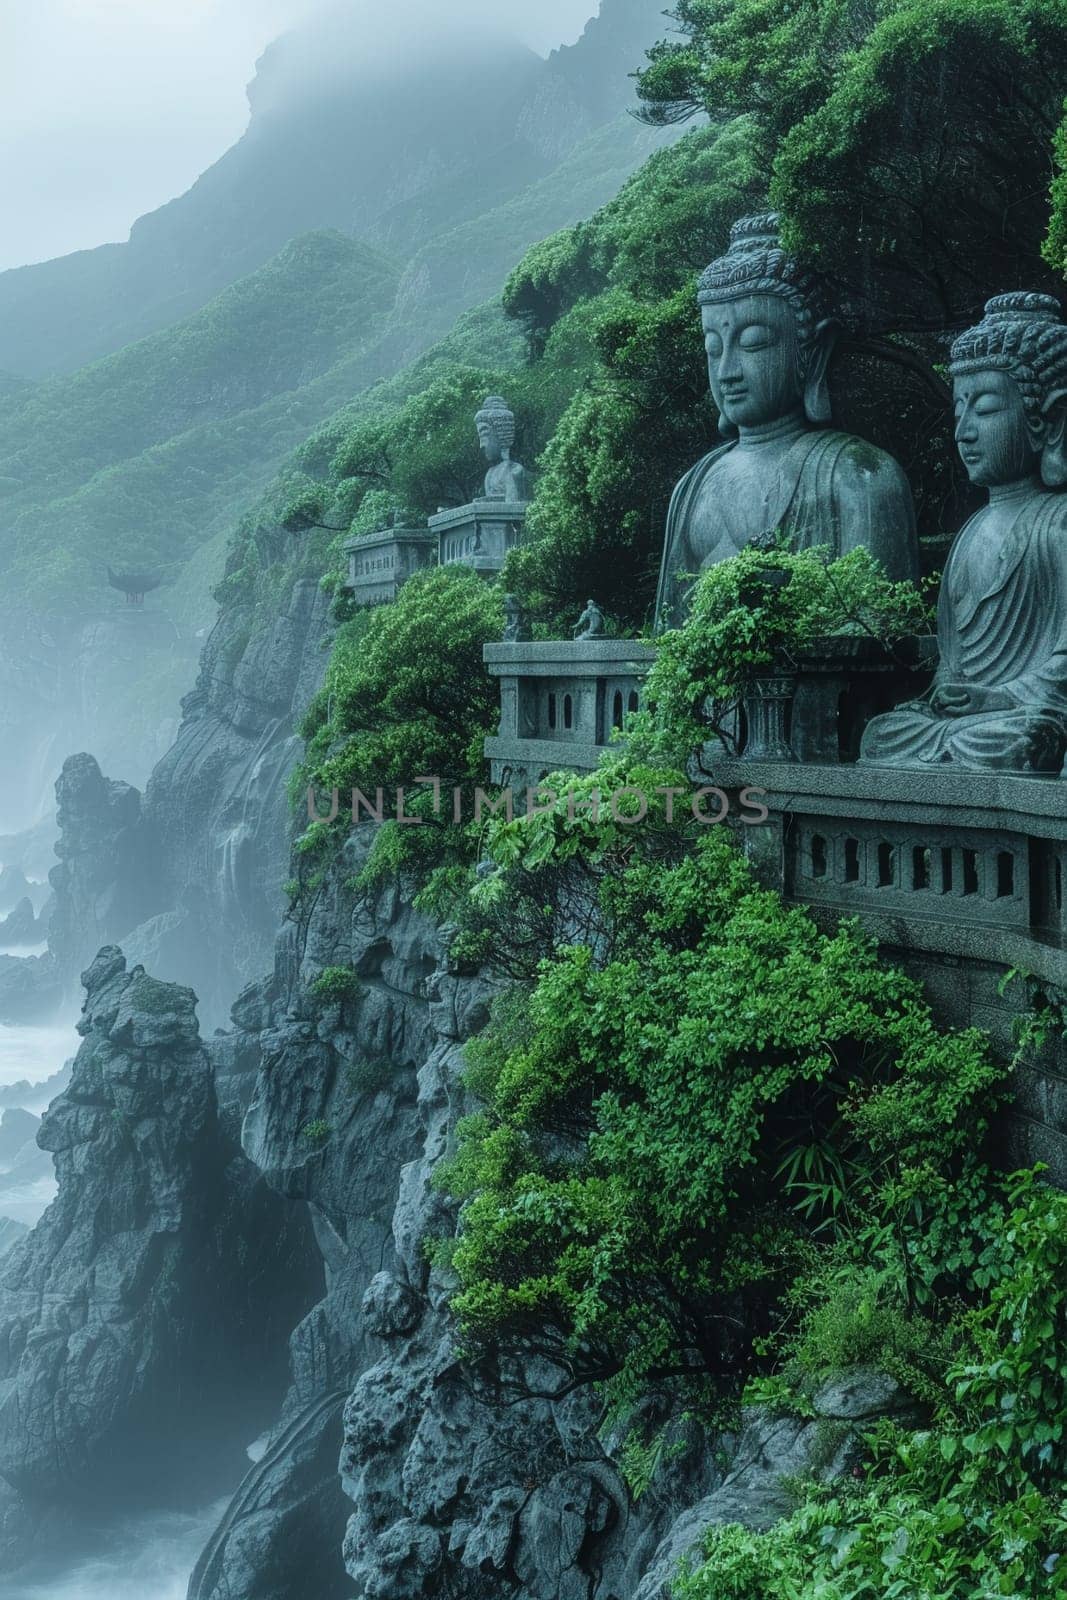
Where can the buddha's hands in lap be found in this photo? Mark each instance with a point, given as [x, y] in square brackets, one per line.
[969, 700]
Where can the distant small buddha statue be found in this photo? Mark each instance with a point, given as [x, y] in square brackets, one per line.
[506, 479]
[769, 338]
[999, 700]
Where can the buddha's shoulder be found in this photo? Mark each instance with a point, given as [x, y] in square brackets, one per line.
[1047, 516]
[861, 459]
[862, 472]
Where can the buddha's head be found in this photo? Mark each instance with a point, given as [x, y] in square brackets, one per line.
[496, 429]
[1009, 376]
[766, 330]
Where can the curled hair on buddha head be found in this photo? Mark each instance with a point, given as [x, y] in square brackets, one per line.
[500, 417]
[1024, 335]
[755, 263]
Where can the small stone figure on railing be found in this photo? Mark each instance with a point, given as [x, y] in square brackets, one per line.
[999, 700]
[590, 623]
[516, 623]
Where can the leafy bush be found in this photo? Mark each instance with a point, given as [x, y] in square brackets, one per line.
[336, 984]
[318, 1132]
[762, 607]
[406, 698]
[623, 1214]
[970, 1506]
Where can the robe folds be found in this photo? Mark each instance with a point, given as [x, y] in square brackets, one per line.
[839, 492]
[1007, 634]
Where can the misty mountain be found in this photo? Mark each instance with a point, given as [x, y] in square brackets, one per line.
[387, 144]
[146, 456]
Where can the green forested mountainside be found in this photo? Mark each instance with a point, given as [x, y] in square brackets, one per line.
[88, 463]
[269, 333]
[450, 126]
[147, 456]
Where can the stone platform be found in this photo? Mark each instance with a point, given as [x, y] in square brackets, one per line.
[479, 535]
[961, 877]
[560, 702]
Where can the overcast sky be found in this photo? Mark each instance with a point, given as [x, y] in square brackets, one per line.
[108, 108]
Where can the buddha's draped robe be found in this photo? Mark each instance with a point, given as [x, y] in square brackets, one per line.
[508, 481]
[1009, 634]
[837, 490]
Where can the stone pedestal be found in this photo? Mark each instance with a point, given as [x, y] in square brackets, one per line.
[479, 535]
[768, 704]
[379, 564]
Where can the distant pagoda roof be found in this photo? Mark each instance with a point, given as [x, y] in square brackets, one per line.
[134, 582]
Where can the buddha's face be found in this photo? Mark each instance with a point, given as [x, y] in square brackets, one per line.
[490, 442]
[992, 434]
[753, 359]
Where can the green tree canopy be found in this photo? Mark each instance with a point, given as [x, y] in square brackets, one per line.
[910, 142]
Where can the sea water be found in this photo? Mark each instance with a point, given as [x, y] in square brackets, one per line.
[138, 1558]
[32, 1056]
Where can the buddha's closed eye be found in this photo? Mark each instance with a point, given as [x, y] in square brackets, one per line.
[756, 338]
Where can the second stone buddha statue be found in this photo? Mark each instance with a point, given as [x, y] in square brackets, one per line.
[769, 337]
[999, 701]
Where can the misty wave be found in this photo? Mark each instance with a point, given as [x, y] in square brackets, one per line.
[140, 1558]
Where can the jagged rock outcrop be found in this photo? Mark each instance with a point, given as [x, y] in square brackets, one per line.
[14, 887]
[141, 1321]
[20, 926]
[31, 989]
[102, 882]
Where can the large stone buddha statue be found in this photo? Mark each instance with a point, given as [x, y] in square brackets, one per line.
[769, 339]
[999, 700]
[506, 479]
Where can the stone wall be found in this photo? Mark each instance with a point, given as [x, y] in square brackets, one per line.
[961, 877]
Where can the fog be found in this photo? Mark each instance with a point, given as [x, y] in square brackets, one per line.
[108, 108]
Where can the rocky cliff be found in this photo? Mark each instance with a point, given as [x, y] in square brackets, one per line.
[471, 1481]
[189, 876]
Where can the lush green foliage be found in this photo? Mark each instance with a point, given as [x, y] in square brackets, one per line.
[138, 458]
[336, 984]
[318, 1132]
[406, 698]
[970, 1505]
[908, 140]
[636, 1207]
[760, 609]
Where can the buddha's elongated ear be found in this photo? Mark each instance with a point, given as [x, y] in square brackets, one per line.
[1054, 451]
[816, 390]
